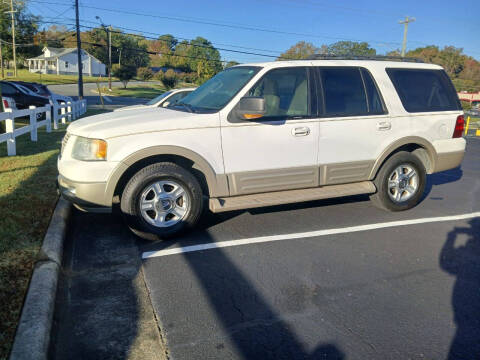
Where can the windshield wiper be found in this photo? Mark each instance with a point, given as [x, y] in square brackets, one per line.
[186, 106]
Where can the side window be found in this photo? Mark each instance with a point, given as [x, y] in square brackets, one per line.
[344, 93]
[66, 64]
[8, 89]
[285, 92]
[423, 90]
[375, 102]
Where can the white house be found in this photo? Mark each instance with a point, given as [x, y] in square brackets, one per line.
[64, 61]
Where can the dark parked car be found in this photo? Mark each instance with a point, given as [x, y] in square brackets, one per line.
[38, 89]
[23, 96]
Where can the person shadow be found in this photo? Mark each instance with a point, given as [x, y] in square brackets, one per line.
[464, 262]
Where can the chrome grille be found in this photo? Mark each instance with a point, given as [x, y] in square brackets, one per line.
[64, 142]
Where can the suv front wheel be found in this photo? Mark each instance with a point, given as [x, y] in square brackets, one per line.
[400, 182]
[161, 200]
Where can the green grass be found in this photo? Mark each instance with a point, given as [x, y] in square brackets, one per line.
[142, 91]
[49, 79]
[27, 199]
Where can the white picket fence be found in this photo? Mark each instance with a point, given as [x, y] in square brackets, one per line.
[62, 113]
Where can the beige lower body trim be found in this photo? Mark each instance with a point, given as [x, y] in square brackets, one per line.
[450, 160]
[290, 196]
[345, 172]
[252, 182]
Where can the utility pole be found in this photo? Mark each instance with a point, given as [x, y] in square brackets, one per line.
[110, 58]
[12, 12]
[109, 39]
[79, 53]
[405, 30]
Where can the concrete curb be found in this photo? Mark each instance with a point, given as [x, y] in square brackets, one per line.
[32, 338]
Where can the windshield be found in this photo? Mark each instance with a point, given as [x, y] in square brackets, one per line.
[218, 91]
[158, 98]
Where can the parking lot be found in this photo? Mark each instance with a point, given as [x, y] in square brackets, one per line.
[335, 279]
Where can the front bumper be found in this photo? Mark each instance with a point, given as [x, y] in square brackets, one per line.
[87, 196]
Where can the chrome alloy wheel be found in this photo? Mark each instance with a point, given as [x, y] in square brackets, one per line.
[164, 203]
[403, 183]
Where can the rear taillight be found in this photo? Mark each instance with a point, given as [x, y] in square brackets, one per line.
[459, 127]
[5, 104]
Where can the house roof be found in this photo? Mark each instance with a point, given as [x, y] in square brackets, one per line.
[55, 53]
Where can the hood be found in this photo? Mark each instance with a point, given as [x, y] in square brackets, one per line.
[122, 123]
[132, 107]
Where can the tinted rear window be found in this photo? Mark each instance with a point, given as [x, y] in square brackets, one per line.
[424, 90]
[350, 91]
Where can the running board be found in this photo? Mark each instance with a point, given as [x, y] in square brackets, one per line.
[290, 196]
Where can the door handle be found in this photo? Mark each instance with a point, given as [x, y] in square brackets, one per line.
[301, 131]
[384, 125]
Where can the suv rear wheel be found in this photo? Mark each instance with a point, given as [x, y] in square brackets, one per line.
[161, 200]
[400, 182]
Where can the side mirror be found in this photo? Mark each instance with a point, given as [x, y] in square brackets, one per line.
[166, 103]
[251, 107]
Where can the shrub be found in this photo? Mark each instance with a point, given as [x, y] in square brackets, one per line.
[169, 79]
[124, 74]
[145, 73]
[159, 75]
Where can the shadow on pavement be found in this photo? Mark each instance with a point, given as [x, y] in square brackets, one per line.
[252, 326]
[464, 262]
[441, 178]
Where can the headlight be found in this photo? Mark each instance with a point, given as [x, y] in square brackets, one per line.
[89, 149]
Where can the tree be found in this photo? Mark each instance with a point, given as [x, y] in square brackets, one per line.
[351, 48]
[54, 36]
[203, 58]
[164, 48]
[301, 50]
[124, 73]
[132, 48]
[230, 64]
[25, 30]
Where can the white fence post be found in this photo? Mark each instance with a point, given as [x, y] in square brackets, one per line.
[74, 110]
[10, 128]
[69, 110]
[48, 115]
[33, 123]
[55, 115]
[62, 111]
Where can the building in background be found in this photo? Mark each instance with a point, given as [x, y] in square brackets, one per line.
[64, 61]
[472, 98]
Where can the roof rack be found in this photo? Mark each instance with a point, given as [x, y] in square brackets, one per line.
[361, 57]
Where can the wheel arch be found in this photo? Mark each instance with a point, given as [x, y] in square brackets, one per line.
[418, 146]
[212, 184]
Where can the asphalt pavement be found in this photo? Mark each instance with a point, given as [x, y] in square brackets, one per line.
[334, 279]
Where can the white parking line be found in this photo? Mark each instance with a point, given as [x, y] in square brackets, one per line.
[303, 235]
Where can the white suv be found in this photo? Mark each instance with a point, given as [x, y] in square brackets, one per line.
[267, 134]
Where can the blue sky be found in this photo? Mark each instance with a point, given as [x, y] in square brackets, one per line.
[440, 22]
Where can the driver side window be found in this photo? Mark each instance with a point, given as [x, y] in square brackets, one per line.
[285, 92]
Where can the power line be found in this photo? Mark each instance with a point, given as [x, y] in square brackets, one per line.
[177, 37]
[195, 45]
[213, 23]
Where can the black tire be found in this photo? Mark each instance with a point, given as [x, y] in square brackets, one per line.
[382, 199]
[131, 197]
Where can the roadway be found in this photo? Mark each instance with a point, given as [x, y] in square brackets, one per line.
[335, 279]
